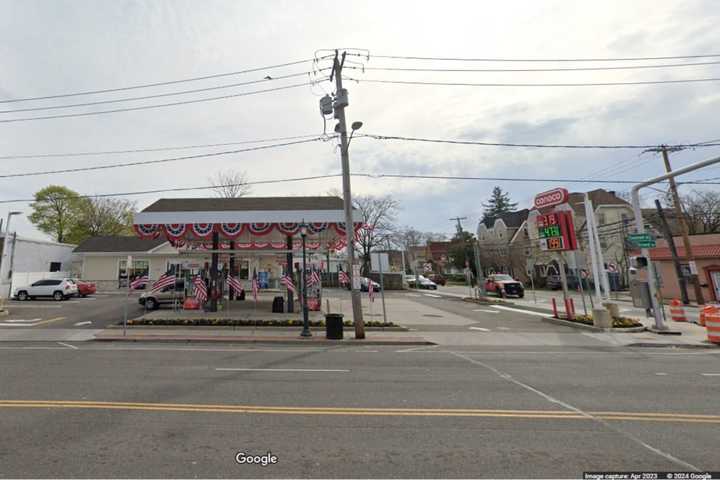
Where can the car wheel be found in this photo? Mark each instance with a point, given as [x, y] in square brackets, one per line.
[151, 303]
[22, 295]
[57, 296]
[521, 295]
[83, 295]
[500, 292]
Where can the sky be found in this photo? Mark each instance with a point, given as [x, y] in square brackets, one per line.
[58, 47]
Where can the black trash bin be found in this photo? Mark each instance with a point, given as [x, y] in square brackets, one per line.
[278, 305]
[334, 326]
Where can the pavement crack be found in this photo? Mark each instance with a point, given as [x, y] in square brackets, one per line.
[589, 416]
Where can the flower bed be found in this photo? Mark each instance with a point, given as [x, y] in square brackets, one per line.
[234, 322]
[622, 322]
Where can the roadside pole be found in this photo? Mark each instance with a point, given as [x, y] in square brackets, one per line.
[591, 242]
[640, 228]
[382, 289]
[480, 276]
[128, 267]
[341, 101]
[600, 258]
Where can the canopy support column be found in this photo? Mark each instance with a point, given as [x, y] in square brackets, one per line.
[231, 269]
[214, 272]
[289, 272]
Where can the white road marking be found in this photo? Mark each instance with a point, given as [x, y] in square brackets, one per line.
[80, 324]
[18, 320]
[20, 323]
[417, 349]
[509, 309]
[710, 374]
[367, 351]
[480, 328]
[575, 409]
[14, 305]
[432, 295]
[413, 295]
[485, 311]
[503, 328]
[68, 345]
[303, 370]
[661, 374]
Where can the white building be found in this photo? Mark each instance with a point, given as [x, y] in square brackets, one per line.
[32, 259]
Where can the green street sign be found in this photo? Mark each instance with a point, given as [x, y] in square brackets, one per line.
[642, 240]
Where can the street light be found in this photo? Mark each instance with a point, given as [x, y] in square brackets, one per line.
[5, 272]
[354, 126]
[306, 321]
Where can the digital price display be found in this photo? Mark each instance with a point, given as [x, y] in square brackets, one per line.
[556, 231]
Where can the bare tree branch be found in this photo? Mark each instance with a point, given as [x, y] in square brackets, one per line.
[230, 184]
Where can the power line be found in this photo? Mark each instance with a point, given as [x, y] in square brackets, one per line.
[187, 189]
[519, 70]
[160, 95]
[525, 145]
[156, 84]
[164, 160]
[145, 107]
[154, 149]
[333, 175]
[614, 59]
[593, 84]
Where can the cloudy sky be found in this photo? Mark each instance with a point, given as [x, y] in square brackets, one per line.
[54, 47]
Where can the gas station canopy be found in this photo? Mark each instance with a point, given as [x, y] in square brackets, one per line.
[249, 222]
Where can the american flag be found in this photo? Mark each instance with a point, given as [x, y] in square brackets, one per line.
[288, 282]
[371, 290]
[314, 278]
[235, 284]
[200, 289]
[255, 286]
[164, 281]
[343, 277]
[139, 282]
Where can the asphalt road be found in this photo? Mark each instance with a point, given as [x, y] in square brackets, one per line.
[186, 410]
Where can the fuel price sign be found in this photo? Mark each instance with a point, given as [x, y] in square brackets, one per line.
[556, 231]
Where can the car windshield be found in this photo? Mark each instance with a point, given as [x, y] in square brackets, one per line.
[503, 278]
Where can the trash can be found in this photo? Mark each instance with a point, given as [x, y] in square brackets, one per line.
[278, 305]
[334, 326]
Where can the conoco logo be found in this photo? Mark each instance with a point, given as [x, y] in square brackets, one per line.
[553, 197]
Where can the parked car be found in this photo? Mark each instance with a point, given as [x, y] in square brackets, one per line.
[554, 282]
[167, 296]
[58, 289]
[85, 288]
[424, 282]
[365, 284]
[438, 278]
[504, 285]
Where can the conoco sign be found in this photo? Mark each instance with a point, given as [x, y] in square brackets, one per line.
[551, 198]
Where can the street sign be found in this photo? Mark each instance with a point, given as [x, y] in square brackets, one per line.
[642, 240]
[379, 262]
[556, 231]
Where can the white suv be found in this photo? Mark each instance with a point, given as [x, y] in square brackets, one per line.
[58, 289]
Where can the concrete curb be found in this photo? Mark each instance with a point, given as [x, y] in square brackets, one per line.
[273, 340]
[4, 313]
[258, 327]
[581, 326]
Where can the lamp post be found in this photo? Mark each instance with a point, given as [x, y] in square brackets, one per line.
[303, 280]
[6, 259]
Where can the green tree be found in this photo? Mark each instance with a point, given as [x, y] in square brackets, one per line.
[55, 211]
[102, 216]
[498, 204]
[461, 251]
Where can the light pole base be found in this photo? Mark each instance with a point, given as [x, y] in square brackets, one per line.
[306, 333]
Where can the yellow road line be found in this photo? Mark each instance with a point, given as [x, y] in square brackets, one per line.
[48, 321]
[438, 412]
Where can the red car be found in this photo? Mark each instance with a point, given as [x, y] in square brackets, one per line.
[504, 285]
[85, 288]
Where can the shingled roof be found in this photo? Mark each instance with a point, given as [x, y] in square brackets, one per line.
[245, 204]
[117, 243]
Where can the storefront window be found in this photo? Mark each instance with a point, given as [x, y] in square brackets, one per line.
[139, 268]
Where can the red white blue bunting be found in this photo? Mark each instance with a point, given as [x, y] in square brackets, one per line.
[317, 227]
[175, 231]
[288, 228]
[147, 231]
[232, 230]
[202, 230]
[260, 228]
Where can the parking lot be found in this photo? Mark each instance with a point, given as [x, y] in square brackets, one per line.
[95, 311]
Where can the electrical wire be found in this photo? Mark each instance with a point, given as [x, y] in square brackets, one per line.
[161, 95]
[519, 70]
[164, 160]
[156, 84]
[154, 149]
[523, 145]
[590, 84]
[456, 59]
[146, 107]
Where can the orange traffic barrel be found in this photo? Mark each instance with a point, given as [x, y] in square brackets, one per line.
[712, 324]
[677, 312]
[708, 310]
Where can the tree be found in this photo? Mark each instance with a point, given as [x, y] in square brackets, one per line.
[461, 251]
[55, 211]
[378, 215]
[407, 238]
[230, 184]
[702, 211]
[102, 216]
[499, 204]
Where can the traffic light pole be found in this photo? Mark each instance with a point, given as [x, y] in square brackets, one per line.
[640, 228]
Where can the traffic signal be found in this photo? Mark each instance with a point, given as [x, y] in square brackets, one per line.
[639, 262]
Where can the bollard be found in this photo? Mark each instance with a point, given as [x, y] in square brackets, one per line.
[554, 307]
[712, 325]
[572, 308]
[708, 310]
[677, 312]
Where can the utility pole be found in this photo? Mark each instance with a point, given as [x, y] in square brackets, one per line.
[673, 252]
[341, 101]
[459, 225]
[683, 229]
